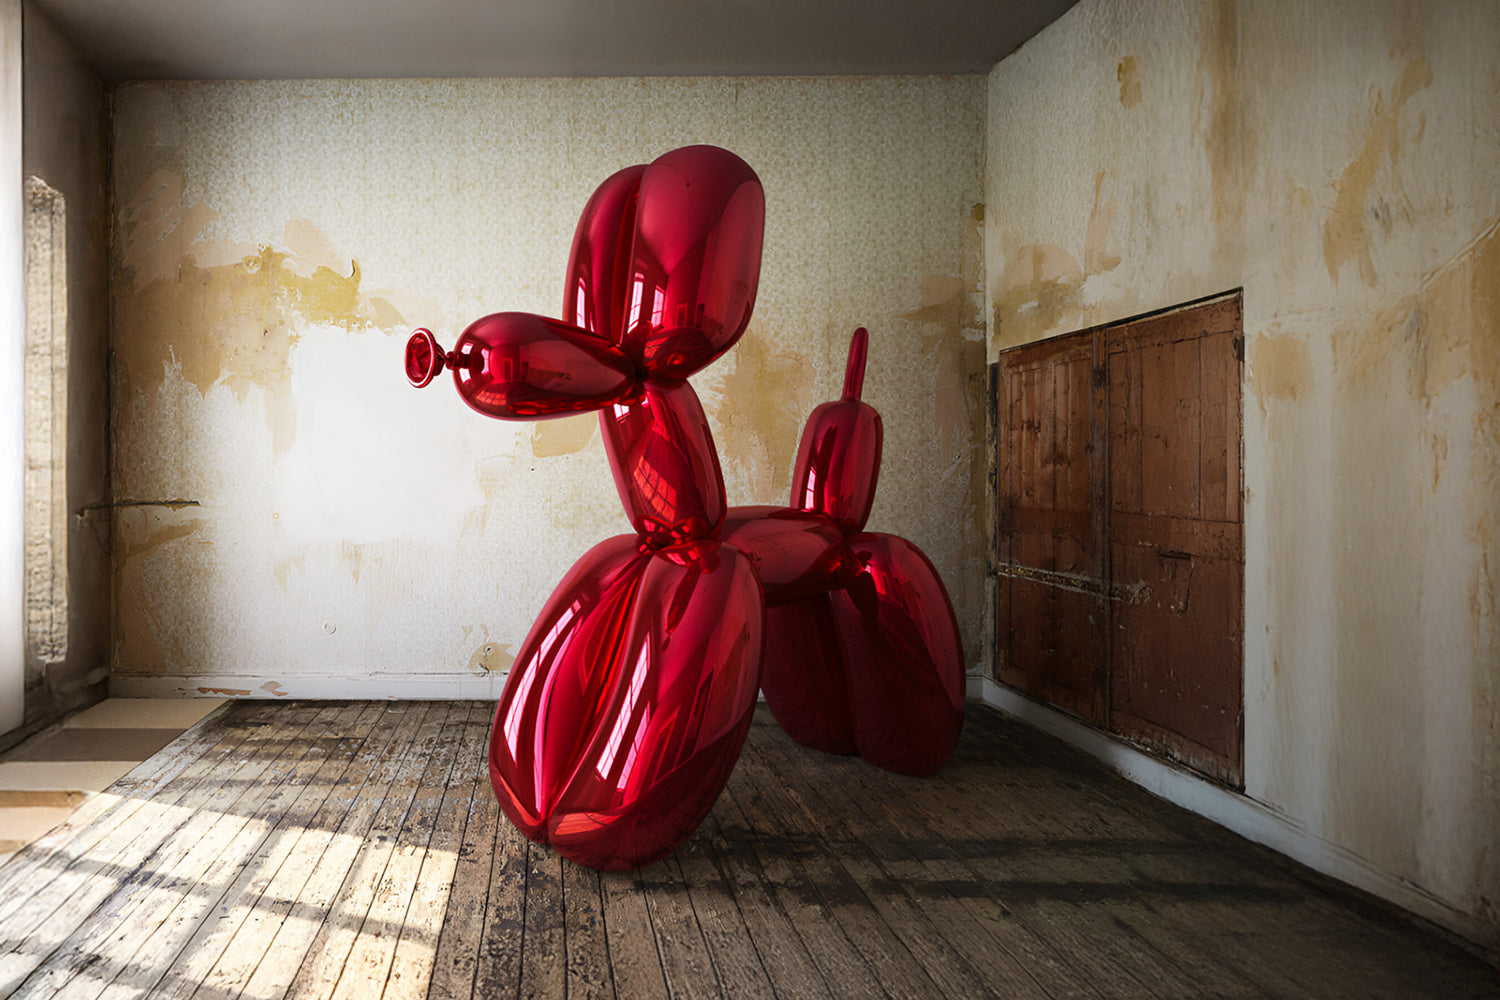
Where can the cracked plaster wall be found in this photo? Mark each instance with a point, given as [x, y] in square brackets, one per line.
[1340, 162]
[294, 519]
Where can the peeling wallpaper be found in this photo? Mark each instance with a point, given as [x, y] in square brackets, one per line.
[295, 519]
[1341, 163]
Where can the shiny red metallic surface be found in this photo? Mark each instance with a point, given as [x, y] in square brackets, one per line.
[554, 685]
[903, 654]
[662, 455]
[424, 358]
[805, 676]
[837, 461]
[630, 699]
[674, 717]
[838, 458]
[794, 552]
[594, 297]
[517, 365]
[695, 262]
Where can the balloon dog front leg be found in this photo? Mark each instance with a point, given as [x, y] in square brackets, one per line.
[631, 697]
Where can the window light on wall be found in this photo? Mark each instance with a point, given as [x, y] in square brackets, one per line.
[46, 422]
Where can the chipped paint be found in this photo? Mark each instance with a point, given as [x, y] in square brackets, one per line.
[226, 692]
[492, 657]
[230, 323]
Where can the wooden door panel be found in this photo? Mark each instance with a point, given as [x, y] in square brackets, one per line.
[1049, 588]
[1177, 545]
[1175, 669]
[1047, 651]
[1120, 544]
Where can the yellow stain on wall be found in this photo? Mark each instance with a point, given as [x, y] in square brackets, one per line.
[563, 436]
[760, 411]
[1228, 140]
[1128, 73]
[1345, 234]
[1281, 367]
[224, 323]
[1039, 290]
[1449, 328]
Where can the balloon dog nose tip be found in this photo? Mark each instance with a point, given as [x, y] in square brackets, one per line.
[424, 358]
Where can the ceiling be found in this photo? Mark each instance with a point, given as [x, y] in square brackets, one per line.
[291, 39]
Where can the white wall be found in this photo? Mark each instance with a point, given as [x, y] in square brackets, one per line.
[1341, 162]
[346, 535]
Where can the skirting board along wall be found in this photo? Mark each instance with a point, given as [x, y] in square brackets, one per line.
[1245, 816]
[374, 686]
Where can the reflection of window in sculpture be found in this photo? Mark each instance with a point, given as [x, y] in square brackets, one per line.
[629, 701]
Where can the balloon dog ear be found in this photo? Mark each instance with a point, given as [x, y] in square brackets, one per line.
[594, 297]
[695, 261]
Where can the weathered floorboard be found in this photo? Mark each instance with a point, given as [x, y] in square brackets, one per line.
[74, 935]
[292, 850]
[356, 850]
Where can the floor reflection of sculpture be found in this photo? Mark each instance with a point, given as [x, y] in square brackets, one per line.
[629, 701]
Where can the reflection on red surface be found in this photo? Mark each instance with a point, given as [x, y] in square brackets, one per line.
[665, 466]
[695, 261]
[838, 460]
[630, 699]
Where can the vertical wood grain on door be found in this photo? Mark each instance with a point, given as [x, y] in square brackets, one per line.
[1049, 558]
[1120, 557]
[1176, 539]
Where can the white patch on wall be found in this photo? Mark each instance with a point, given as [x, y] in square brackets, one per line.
[373, 459]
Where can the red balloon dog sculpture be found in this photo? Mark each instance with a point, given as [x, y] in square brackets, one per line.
[629, 701]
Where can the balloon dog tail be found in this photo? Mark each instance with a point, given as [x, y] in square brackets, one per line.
[838, 460]
[854, 369]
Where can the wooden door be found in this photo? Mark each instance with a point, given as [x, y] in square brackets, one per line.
[1120, 557]
[1176, 535]
[1050, 561]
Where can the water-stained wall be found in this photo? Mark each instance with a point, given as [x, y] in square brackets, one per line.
[64, 146]
[1341, 163]
[294, 519]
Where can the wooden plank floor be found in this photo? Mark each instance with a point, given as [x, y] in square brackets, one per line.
[353, 849]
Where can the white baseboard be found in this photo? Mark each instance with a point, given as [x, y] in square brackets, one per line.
[410, 687]
[339, 687]
[1251, 819]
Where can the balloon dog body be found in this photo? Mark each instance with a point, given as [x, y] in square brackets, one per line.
[629, 701]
